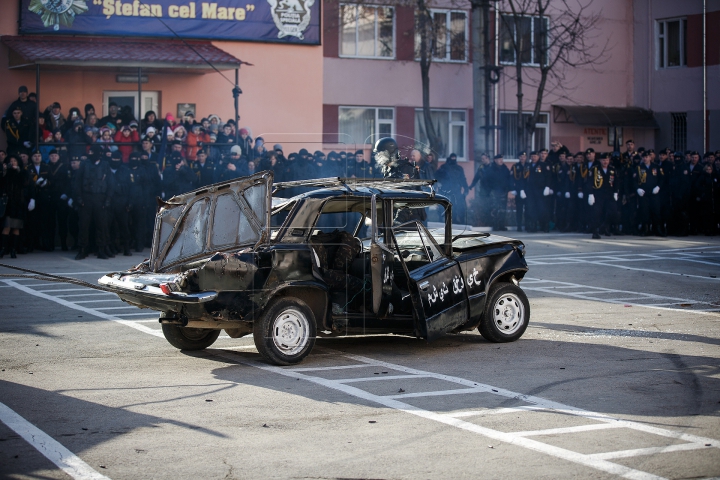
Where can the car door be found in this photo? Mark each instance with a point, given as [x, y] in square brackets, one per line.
[381, 260]
[435, 281]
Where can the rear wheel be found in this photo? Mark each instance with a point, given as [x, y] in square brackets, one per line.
[285, 334]
[507, 313]
[186, 338]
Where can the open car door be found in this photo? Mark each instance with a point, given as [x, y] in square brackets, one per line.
[435, 281]
[381, 261]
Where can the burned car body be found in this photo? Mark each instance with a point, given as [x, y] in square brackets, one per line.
[344, 257]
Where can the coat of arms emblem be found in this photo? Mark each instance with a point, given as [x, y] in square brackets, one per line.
[55, 13]
[291, 17]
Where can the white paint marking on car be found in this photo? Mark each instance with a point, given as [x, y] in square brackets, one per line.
[65, 460]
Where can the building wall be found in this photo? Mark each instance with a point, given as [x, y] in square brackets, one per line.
[282, 92]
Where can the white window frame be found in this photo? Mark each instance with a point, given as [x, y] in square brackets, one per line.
[447, 58]
[532, 37]
[451, 147]
[662, 53]
[545, 125]
[376, 56]
[378, 121]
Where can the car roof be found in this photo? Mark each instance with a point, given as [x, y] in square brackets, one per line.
[384, 188]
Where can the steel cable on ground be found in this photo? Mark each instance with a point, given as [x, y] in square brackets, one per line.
[35, 275]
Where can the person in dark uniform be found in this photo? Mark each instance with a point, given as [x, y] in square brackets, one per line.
[453, 185]
[539, 182]
[648, 179]
[93, 199]
[482, 193]
[564, 190]
[602, 190]
[359, 168]
[704, 201]
[204, 169]
[679, 185]
[389, 161]
[500, 179]
[39, 205]
[153, 191]
[628, 194]
[178, 178]
[520, 173]
[14, 185]
[19, 132]
[696, 169]
[666, 166]
[58, 188]
[136, 208]
[73, 218]
[582, 209]
[119, 207]
[629, 153]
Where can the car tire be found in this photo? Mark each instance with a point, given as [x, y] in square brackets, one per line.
[507, 313]
[285, 333]
[189, 338]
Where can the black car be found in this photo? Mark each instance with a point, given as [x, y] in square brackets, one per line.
[342, 257]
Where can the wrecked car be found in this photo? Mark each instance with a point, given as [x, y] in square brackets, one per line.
[336, 257]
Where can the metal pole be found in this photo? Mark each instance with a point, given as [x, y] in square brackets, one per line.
[236, 95]
[37, 106]
[139, 110]
[705, 118]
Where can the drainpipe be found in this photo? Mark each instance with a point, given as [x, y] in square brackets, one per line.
[496, 113]
[705, 118]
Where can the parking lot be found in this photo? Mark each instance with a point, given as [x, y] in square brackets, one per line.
[617, 375]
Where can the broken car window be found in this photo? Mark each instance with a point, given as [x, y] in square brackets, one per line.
[191, 235]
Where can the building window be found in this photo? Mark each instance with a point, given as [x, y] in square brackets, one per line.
[367, 31]
[364, 125]
[679, 131]
[615, 132]
[449, 43]
[671, 41]
[509, 145]
[450, 126]
[529, 33]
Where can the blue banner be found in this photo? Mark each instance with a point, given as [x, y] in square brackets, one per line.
[284, 21]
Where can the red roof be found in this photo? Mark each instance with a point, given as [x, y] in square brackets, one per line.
[118, 52]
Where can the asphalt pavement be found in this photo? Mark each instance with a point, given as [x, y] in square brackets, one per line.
[618, 375]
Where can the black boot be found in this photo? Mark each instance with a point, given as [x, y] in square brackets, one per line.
[109, 252]
[101, 254]
[14, 240]
[4, 245]
[596, 235]
[82, 253]
[127, 252]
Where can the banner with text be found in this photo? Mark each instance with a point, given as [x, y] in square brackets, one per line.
[284, 21]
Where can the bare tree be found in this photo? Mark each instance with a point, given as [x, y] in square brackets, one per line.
[563, 34]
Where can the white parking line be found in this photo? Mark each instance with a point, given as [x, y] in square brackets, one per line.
[576, 429]
[67, 461]
[647, 451]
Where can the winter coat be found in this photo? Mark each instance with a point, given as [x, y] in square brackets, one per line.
[126, 150]
[194, 142]
[14, 184]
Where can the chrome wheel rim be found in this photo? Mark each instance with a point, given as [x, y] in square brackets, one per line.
[508, 313]
[290, 331]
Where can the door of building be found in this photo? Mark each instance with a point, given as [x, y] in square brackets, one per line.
[150, 101]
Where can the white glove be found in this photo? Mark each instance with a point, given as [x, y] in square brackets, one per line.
[567, 194]
[615, 196]
[547, 191]
[31, 205]
[656, 190]
[514, 193]
[551, 191]
[581, 195]
[591, 199]
[641, 192]
[27, 144]
[40, 181]
[63, 197]
[70, 203]
[522, 194]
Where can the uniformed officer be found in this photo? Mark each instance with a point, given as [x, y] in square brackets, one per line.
[539, 182]
[39, 204]
[73, 218]
[119, 207]
[58, 189]
[358, 167]
[94, 191]
[453, 185]
[602, 190]
[204, 169]
[648, 181]
[152, 193]
[139, 185]
[582, 209]
[520, 173]
[679, 185]
[482, 193]
[500, 178]
[564, 190]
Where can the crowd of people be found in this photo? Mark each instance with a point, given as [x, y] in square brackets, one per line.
[94, 182]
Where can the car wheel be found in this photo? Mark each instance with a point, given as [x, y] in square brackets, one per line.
[186, 338]
[285, 334]
[507, 313]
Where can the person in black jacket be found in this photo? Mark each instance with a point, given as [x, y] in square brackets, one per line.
[204, 169]
[39, 205]
[177, 177]
[601, 188]
[25, 104]
[499, 179]
[58, 188]
[563, 173]
[453, 185]
[19, 132]
[539, 182]
[93, 194]
[649, 181]
[520, 173]
[153, 191]
[14, 184]
[119, 207]
[679, 183]
[136, 208]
